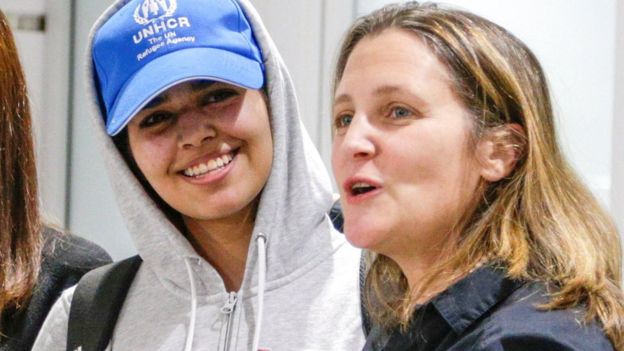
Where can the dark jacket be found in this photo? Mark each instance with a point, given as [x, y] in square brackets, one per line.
[66, 258]
[486, 311]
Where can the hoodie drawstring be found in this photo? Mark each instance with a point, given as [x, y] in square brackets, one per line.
[191, 329]
[261, 241]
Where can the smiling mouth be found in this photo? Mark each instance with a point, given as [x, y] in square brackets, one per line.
[209, 166]
[361, 188]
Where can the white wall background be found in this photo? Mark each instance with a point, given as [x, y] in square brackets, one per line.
[577, 42]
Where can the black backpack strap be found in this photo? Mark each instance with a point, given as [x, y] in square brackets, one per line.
[96, 303]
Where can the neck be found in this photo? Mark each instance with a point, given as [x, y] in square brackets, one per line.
[418, 265]
[416, 269]
[423, 286]
[224, 243]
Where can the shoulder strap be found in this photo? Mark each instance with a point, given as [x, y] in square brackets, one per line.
[96, 303]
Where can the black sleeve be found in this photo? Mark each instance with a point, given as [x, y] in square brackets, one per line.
[68, 256]
[65, 259]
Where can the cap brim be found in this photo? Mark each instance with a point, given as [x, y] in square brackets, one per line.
[176, 67]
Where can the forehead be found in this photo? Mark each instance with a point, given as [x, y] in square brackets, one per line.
[394, 57]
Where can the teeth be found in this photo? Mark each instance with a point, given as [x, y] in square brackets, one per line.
[209, 166]
[360, 188]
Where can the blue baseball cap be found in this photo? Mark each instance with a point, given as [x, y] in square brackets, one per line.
[149, 46]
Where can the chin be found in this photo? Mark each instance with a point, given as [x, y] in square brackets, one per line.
[365, 236]
[210, 214]
[229, 206]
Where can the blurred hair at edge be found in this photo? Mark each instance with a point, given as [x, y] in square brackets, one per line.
[20, 238]
[540, 221]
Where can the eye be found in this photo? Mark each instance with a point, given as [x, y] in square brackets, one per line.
[343, 120]
[399, 112]
[156, 118]
[217, 96]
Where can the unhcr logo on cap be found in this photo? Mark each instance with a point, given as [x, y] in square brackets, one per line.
[151, 10]
[158, 24]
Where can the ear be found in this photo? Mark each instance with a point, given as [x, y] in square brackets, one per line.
[499, 149]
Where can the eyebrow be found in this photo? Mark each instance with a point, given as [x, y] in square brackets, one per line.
[382, 90]
[386, 90]
[201, 84]
[395, 89]
[198, 85]
[342, 98]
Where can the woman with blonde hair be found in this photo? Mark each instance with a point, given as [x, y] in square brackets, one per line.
[488, 240]
[36, 262]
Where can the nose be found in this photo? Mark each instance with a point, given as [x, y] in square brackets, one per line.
[359, 138]
[194, 128]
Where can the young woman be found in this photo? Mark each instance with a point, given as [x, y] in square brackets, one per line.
[223, 192]
[36, 262]
[488, 241]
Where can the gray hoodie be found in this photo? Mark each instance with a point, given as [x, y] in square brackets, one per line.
[178, 300]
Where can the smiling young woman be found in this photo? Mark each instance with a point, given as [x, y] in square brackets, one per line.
[223, 193]
[445, 153]
[198, 145]
[199, 141]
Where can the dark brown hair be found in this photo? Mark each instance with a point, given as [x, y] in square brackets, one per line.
[20, 238]
[541, 223]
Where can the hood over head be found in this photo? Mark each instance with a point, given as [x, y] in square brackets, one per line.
[292, 209]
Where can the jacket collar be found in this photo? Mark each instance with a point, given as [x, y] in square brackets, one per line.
[470, 298]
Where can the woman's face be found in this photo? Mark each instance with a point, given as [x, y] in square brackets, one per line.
[205, 147]
[401, 153]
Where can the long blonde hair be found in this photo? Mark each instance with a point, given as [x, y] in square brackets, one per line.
[541, 222]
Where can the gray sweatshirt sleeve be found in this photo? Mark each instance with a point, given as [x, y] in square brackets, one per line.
[53, 333]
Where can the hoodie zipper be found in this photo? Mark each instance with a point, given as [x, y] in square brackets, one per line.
[228, 309]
